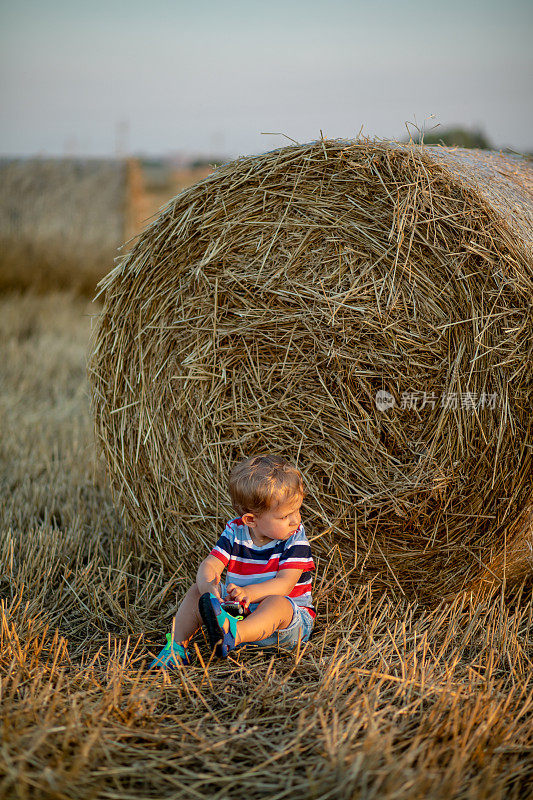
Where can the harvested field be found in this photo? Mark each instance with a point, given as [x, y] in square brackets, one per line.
[387, 700]
[62, 221]
[274, 303]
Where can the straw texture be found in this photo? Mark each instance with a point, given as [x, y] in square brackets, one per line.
[265, 309]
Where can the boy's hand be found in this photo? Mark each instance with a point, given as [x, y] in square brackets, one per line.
[238, 594]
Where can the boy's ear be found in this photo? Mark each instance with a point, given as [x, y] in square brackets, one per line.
[248, 519]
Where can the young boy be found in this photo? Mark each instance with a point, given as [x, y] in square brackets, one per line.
[268, 561]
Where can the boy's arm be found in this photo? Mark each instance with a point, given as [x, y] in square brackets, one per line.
[208, 575]
[282, 584]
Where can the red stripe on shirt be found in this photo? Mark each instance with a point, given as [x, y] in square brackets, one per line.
[243, 568]
[305, 566]
[299, 590]
[220, 557]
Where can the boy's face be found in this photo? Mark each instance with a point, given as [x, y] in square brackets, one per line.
[277, 523]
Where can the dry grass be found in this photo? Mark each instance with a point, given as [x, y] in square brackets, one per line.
[265, 308]
[387, 700]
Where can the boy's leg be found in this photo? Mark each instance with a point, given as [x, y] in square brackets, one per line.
[187, 619]
[185, 623]
[274, 613]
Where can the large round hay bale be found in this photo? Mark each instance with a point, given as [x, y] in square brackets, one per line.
[63, 219]
[363, 308]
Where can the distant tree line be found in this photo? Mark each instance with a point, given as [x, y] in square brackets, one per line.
[459, 137]
[456, 137]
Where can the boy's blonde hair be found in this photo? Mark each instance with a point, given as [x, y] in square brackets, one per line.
[261, 483]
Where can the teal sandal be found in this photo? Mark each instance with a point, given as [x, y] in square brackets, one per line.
[171, 656]
[214, 618]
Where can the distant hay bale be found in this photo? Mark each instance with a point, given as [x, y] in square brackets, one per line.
[363, 308]
[62, 220]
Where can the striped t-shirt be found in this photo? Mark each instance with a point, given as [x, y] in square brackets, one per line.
[248, 563]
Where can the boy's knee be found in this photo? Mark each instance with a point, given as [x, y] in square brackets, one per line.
[275, 598]
[279, 603]
[193, 591]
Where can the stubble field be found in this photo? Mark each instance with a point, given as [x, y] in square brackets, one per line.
[387, 700]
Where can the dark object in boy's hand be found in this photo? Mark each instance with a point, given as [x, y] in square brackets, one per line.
[234, 608]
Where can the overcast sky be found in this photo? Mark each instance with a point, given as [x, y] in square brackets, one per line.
[206, 76]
